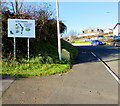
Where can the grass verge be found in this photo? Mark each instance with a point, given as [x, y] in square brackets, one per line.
[84, 42]
[46, 63]
[15, 68]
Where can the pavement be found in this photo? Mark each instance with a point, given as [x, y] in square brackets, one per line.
[82, 88]
[81, 44]
[110, 55]
[113, 63]
[87, 82]
[5, 82]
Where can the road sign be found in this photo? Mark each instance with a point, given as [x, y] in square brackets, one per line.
[22, 28]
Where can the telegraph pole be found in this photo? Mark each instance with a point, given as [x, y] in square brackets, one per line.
[58, 31]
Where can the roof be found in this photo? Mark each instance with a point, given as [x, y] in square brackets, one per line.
[116, 25]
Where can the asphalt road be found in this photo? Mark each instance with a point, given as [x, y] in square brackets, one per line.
[109, 54]
[88, 82]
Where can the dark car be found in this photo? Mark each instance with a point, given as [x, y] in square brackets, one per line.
[116, 43]
[116, 37]
[97, 42]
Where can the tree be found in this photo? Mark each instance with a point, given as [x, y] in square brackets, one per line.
[72, 33]
[45, 28]
[15, 7]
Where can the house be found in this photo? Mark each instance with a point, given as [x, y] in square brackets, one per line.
[108, 32]
[90, 32]
[116, 29]
[68, 38]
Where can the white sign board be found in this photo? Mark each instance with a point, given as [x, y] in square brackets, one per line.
[22, 28]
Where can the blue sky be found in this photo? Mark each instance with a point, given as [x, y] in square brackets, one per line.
[78, 16]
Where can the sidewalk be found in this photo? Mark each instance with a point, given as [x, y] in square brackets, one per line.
[5, 82]
[86, 83]
[81, 44]
[113, 63]
[86, 86]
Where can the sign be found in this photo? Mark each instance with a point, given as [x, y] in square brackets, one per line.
[22, 28]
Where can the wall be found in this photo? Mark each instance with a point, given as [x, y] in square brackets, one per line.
[117, 30]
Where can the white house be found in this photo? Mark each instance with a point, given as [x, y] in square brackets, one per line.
[107, 30]
[90, 32]
[116, 29]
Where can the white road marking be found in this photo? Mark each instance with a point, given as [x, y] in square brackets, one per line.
[111, 72]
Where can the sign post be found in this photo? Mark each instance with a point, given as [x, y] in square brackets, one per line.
[21, 28]
[14, 48]
[28, 49]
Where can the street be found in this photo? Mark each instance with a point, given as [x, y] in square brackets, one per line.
[59, 53]
[109, 54]
[88, 82]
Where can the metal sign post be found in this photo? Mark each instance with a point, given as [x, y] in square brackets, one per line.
[28, 49]
[58, 31]
[14, 48]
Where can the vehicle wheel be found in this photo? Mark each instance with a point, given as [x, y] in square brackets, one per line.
[115, 45]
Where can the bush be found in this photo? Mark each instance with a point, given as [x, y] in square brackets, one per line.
[45, 31]
[72, 40]
[43, 50]
[44, 61]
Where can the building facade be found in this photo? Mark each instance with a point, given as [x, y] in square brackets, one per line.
[116, 29]
[90, 32]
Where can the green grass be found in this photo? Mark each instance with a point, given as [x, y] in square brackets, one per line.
[44, 61]
[84, 42]
[30, 68]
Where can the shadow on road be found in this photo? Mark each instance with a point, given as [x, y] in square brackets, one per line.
[4, 77]
[112, 60]
[103, 52]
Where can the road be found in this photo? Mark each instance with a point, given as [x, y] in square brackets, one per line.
[109, 54]
[88, 82]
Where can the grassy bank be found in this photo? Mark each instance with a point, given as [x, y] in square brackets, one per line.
[44, 60]
[30, 68]
[84, 42]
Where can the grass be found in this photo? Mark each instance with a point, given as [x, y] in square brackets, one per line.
[30, 68]
[84, 42]
[44, 61]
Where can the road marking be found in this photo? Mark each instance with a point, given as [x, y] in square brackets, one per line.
[107, 67]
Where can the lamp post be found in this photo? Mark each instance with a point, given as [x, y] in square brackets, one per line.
[58, 31]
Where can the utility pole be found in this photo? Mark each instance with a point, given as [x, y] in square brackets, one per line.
[58, 31]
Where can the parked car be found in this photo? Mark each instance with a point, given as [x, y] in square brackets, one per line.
[97, 42]
[100, 37]
[116, 43]
[116, 37]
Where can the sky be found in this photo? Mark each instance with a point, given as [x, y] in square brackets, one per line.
[79, 16]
